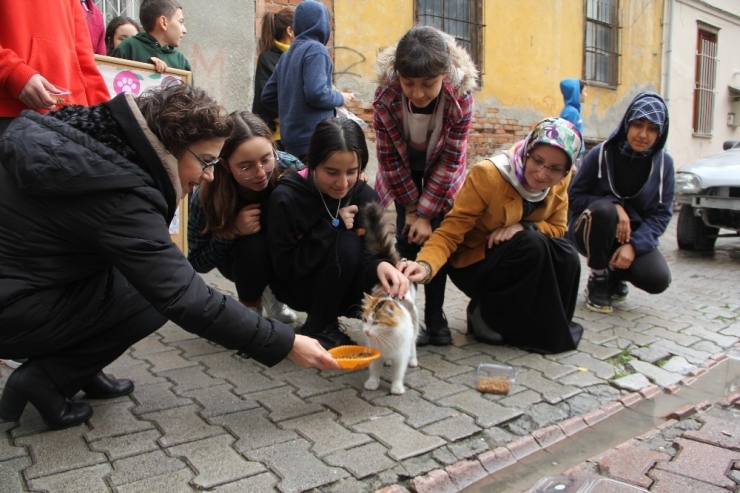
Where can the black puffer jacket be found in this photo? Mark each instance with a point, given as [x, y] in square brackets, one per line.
[72, 208]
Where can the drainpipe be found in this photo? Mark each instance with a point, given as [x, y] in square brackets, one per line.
[669, 53]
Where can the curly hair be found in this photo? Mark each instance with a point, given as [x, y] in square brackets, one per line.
[181, 115]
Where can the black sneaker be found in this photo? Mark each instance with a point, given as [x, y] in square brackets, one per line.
[598, 298]
[423, 338]
[437, 328]
[618, 289]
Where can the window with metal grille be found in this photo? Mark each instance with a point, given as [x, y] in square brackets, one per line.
[462, 19]
[114, 8]
[601, 42]
[705, 82]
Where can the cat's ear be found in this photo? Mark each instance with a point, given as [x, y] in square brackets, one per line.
[368, 298]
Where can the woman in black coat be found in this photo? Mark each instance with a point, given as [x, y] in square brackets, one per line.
[87, 265]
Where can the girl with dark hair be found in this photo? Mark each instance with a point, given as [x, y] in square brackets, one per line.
[276, 37]
[423, 109]
[321, 263]
[87, 264]
[120, 28]
[227, 221]
[621, 202]
[503, 240]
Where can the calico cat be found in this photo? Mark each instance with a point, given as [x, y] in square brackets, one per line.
[390, 325]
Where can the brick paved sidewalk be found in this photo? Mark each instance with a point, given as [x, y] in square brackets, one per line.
[202, 418]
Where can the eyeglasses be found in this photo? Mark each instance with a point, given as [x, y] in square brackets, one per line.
[266, 163]
[205, 164]
[550, 170]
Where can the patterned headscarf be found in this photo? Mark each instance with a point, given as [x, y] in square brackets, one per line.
[555, 132]
[649, 108]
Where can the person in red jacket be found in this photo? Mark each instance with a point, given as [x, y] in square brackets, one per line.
[41, 53]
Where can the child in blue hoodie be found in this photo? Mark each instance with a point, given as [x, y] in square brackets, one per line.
[574, 93]
[300, 88]
[621, 203]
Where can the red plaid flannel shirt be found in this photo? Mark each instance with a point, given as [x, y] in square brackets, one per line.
[445, 168]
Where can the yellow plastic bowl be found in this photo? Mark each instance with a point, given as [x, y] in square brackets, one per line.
[354, 357]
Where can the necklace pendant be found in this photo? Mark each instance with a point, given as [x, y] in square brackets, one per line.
[335, 222]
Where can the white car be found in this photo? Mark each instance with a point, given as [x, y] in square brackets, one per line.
[708, 190]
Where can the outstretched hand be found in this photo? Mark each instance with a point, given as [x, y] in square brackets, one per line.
[308, 353]
[35, 93]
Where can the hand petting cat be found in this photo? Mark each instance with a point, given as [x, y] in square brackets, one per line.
[393, 281]
[413, 271]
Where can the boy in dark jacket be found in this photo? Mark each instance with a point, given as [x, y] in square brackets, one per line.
[164, 24]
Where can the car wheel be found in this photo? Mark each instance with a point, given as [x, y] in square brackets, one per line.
[692, 233]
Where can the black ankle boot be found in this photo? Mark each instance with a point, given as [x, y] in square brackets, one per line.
[103, 387]
[31, 383]
[437, 328]
[423, 338]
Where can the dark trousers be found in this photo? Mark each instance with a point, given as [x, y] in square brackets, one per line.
[434, 291]
[72, 332]
[527, 289]
[333, 289]
[248, 266]
[595, 235]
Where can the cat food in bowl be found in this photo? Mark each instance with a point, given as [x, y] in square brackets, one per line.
[493, 378]
[354, 357]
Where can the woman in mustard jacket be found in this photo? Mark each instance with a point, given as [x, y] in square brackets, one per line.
[504, 243]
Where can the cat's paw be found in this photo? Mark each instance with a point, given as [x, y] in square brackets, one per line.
[372, 383]
[397, 389]
[387, 362]
[413, 363]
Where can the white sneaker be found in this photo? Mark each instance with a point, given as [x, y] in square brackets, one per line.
[274, 309]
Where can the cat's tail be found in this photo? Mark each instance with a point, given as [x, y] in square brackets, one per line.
[378, 237]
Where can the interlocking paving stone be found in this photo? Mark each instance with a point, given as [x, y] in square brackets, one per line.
[123, 361]
[261, 482]
[650, 354]
[350, 408]
[142, 466]
[499, 353]
[194, 377]
[402, 440]
[415, 379]
[115, 419]
[666, 482]
[10, 478]
[551, 391]
[670, 335]
[221, 364]
[182, 425]
[308, 383]
[253, 429]
[634, 337]
[485, 412]
[418, 411]
[127, 445]
[581, 379]
[219, 400]
[283, 404]
[600, 368]
[58, 451]
[656, 374]
[170, 332]
[325, 433]
[451, 353]
[719, 339]
[522, 399]
[157, 397]
[438, 389]
[8, 450]
[631, 464]
[138, 373]
[537, 362]
[82, 480]
[149, 345]
[166, 361]
[732, 330]
[453, 428]
[198, 347]
[702, 462]
[251, 381]
[173, 482]
[598, 336]
[297, 467]
[441, 368]
[677, 364]
[718, 432]
[215, 462]
[362, 461]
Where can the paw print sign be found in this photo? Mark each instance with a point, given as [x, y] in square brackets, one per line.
[127, 81]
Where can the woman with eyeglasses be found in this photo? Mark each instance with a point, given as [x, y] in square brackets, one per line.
[504, 243]
[87, 264]
[227, 222]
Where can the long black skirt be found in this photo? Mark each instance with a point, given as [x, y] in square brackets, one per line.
[524, 293]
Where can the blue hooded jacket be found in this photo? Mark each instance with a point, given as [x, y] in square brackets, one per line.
[651, 208]
[300, 88]
[571, 89]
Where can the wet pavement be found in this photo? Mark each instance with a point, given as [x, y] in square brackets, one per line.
[202, 418]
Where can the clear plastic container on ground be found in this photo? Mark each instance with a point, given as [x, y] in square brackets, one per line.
[494, 378]
[570, 484]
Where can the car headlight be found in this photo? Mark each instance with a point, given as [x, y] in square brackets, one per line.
[687, 183]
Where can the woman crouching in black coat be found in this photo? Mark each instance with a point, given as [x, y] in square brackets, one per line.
[87, 265]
